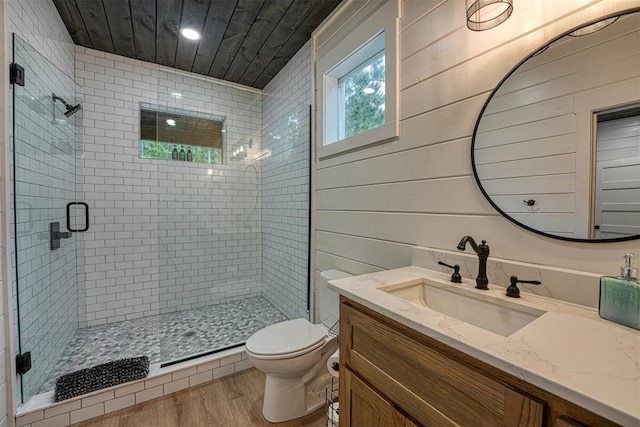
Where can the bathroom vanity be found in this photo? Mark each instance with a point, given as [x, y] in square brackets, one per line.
[406, 359]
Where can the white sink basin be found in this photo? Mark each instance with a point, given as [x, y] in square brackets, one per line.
[484, 311]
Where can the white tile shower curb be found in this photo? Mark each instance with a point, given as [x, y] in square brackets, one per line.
[40, 412]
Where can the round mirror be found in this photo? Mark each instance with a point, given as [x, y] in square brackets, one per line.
[556, 148]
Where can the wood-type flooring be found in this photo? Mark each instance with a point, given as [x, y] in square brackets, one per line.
[234, 401]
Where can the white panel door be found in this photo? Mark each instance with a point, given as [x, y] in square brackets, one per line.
[617, 203]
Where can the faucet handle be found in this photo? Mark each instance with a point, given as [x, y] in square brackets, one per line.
[513, 291]
[455, 277]
[483, 248]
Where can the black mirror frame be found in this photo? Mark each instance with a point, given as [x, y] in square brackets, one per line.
[475, 130]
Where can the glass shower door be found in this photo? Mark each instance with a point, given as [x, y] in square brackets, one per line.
[46, 157]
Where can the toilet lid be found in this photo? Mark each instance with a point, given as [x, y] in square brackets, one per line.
[285, 337]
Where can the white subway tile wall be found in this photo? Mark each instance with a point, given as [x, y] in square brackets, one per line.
[39, 24]
[165, 236]
[285, 186]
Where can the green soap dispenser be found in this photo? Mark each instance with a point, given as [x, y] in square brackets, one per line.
[620, 296]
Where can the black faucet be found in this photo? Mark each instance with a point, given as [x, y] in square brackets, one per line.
[483, 253]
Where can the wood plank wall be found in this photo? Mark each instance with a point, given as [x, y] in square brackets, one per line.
[373, 204]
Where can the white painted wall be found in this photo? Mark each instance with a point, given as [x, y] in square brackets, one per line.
[373, 204]
[285, 186]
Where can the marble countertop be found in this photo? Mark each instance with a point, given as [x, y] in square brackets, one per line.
[569, 350]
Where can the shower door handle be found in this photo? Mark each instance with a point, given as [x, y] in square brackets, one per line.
[86, 217]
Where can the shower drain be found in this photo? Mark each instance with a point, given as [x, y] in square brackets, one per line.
[189, 334]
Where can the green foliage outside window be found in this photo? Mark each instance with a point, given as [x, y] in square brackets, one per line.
[364, 110]
[163, 151]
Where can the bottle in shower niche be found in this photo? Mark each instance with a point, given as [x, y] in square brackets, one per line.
[189, 155]
[620, 296]
[174, 153]
[182, 154]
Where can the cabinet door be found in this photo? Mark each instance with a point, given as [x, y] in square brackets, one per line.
[521, 410]
[361, 406]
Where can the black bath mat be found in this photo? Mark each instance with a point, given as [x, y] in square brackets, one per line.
[101, 376]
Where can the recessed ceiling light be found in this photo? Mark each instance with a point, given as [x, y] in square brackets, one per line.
[176, 94]
[368, 90]
[171, 122]
[190, 33]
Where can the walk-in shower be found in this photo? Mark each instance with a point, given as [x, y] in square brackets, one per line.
[171, 250]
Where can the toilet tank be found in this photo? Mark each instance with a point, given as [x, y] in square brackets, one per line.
[328, 301]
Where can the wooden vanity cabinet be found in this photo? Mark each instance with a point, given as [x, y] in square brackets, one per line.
[391, 375]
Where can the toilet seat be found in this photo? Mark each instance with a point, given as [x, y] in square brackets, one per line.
[286, 339]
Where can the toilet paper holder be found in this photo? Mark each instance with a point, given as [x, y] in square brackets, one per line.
[332, 404]
[333, 364]
[332, 390]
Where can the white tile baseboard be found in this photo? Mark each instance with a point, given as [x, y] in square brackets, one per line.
[40, 412]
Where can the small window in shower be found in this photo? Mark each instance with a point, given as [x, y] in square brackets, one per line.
[181, 135]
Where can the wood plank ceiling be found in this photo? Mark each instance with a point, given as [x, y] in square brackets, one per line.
[243, 41]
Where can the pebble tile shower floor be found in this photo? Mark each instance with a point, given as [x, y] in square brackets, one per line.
[167, 337]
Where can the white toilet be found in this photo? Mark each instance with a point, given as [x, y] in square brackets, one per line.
[293, 355]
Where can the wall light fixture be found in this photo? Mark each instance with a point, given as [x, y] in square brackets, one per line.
[485, 14]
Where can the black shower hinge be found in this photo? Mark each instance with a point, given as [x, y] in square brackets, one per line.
[16, 74]
[23, 363]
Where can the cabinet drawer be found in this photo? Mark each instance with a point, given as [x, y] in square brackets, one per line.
[428, 383]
